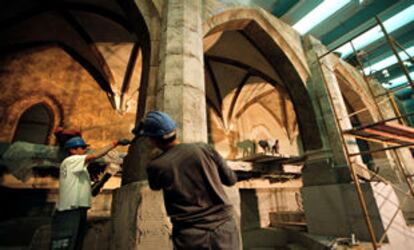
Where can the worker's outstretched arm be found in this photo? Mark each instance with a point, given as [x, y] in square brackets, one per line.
[103, 151]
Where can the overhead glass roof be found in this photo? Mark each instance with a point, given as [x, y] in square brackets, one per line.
[391, 60]
[397, 82]
[391, 24]
[335, 22]
[319, 14]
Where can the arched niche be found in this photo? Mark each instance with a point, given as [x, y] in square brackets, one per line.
[360, 106]
[35, 125]
[277, 63]
[43, 110]
[109, 39]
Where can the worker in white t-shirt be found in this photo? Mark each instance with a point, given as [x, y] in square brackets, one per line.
[69, 221]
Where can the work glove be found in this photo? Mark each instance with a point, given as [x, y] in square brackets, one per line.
[123, 142]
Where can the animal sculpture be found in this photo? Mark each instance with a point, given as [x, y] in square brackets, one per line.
[264, 145]
[275, 147]
[248, 147]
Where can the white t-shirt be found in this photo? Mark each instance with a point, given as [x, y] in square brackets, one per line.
[74, 184]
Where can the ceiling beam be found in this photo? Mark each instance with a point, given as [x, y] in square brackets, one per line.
[283, 6]
[300, 10]
[352, 22]
[361, 27]
[380, 50]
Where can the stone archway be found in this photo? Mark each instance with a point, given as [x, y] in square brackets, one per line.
[282, 48]
[16, 110]
[35, 125]
[356, 94]
[145, 16]
[78, 29]
[264, 59]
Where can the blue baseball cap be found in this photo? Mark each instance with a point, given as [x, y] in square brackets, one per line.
[156, 124]
[75, 142]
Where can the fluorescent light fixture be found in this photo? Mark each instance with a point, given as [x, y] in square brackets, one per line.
[318, 14]
[398, 81]
[391, 24]
[391, 60]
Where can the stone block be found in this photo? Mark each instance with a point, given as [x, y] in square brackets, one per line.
[139, 220]
[250, 218]
[399, 235]
[174, 40]
[322, 172]
[264, 238]
[334, 210]
[407, 203]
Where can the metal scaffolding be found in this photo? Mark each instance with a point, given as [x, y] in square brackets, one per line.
[393, 132]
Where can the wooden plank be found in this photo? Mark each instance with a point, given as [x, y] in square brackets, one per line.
[388, 135]
[389, 132]
[392, 126]
[262, 157]
[362, 134]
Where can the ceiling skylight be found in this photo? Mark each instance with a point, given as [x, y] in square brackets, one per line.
[319, 14]
[391, 24]
[398, 81]
[388, 61]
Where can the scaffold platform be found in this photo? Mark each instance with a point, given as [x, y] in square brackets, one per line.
[388, 132]
[276, 167]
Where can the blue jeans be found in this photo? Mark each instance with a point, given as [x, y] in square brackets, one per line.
[68, 229]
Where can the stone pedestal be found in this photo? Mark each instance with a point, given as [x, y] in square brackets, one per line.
[253, 235]
[323, 172]
[139, 220]
[334, 210]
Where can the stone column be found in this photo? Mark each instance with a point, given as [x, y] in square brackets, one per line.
[179, 91]
[328, 165]
[180, 87]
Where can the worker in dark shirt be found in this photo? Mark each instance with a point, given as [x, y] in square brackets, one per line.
[191, 177]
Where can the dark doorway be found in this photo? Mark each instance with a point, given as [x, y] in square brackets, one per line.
[34, 125]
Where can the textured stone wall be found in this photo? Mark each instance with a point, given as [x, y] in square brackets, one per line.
[139, 220]
[49, 75]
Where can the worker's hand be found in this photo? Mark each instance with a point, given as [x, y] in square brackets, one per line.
[123, 142]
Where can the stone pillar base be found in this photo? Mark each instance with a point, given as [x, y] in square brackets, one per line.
[407, 203]
[139, 219]
[334, 210]
[386, 168]
[323, 172]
